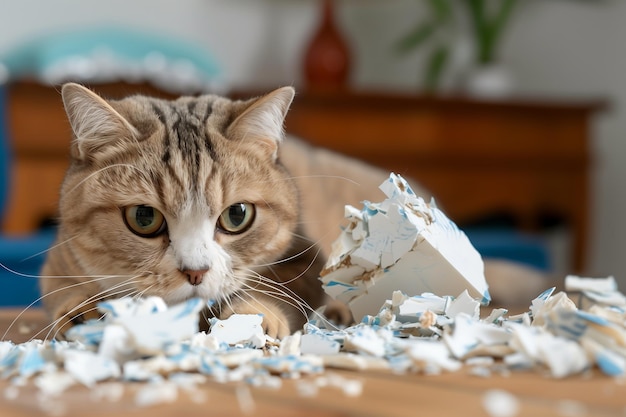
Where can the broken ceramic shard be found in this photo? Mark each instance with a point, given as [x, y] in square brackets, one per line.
[318, 344]
[424, 333]
[500, 403]
[140, 326]
[88, 367]
[401, 243]
[240, 329]
[595, 291]
[576, 283]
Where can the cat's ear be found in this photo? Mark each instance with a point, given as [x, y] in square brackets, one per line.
[262, 122]
[95, 123]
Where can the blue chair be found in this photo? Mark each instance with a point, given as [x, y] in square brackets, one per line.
[20, 257]
[507, 243]
[159, 57]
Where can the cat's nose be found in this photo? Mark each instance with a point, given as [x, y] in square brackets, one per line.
[195, 275]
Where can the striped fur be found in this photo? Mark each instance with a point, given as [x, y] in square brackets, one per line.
[191, 159]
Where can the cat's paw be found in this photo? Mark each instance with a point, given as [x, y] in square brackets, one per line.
[276, 325]
[71, 312]
[275, 322]
[338, 313]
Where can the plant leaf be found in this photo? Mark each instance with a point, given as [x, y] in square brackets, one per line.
[442, 9]
[434, 67]
[416, 37]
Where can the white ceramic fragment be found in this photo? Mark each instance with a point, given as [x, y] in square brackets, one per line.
[367, 341]
[233, 358]
[207, 341]
[500, 403]
[290, 345]
[429, 353]
[496, 315]
[577, 283]
[127, 306]
[151, 333]
[32, 361]
[290, 365]
[425, 333]
[542, 310]
[355, 362]
[54, 383]
[88, 367]
[463, 304]
[116, 343]
[469, 333]
[536, 346]
[318, 344]
[562, 357]
[595, 291]
[240, 329]
[406, 245]
[163, 392]
[107, 391]
[411, 308]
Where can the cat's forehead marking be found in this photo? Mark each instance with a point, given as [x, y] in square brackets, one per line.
[188, 153]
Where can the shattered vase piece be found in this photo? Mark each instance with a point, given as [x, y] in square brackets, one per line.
[402, 244]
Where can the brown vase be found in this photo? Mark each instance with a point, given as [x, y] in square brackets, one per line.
[327, 59]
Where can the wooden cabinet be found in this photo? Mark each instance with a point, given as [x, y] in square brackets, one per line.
[40, 139]
[528, 159]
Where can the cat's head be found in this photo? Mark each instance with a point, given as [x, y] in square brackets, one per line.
[176, 198]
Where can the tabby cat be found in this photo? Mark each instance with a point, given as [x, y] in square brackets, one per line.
[180, 199]
[202, 197]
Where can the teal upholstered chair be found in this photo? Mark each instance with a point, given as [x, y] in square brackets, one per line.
[20, 257]
[114, 53]
[104, 54]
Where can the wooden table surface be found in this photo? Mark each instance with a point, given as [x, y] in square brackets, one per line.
[384, 394]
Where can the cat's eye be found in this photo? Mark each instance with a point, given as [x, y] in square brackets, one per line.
[144, 221]
[237, 218]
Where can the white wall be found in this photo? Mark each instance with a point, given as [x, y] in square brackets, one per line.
[577, 49]
[555, 48]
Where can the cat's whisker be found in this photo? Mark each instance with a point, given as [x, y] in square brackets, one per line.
[69, 287]
[212, 309]
[107, 293]
[224, 300]
[280, 288]
[69, 319]
[338, 177]
[274, 315]
[255, 276]
[334, 230]
[302, 307]
[277, 290]
[99, 171]
[141, 293]
[51, 247]
[58, 324]
[304, 237]
[52, 325]
[294, 256]
[21, 274]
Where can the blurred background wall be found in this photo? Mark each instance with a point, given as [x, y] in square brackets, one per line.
[554, 49]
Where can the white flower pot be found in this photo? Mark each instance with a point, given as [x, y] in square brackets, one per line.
[489, 81]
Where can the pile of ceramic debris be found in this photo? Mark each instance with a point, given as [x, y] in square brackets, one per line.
[143, 340]
[379, 260]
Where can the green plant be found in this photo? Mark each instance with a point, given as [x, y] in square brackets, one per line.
[440, 28]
